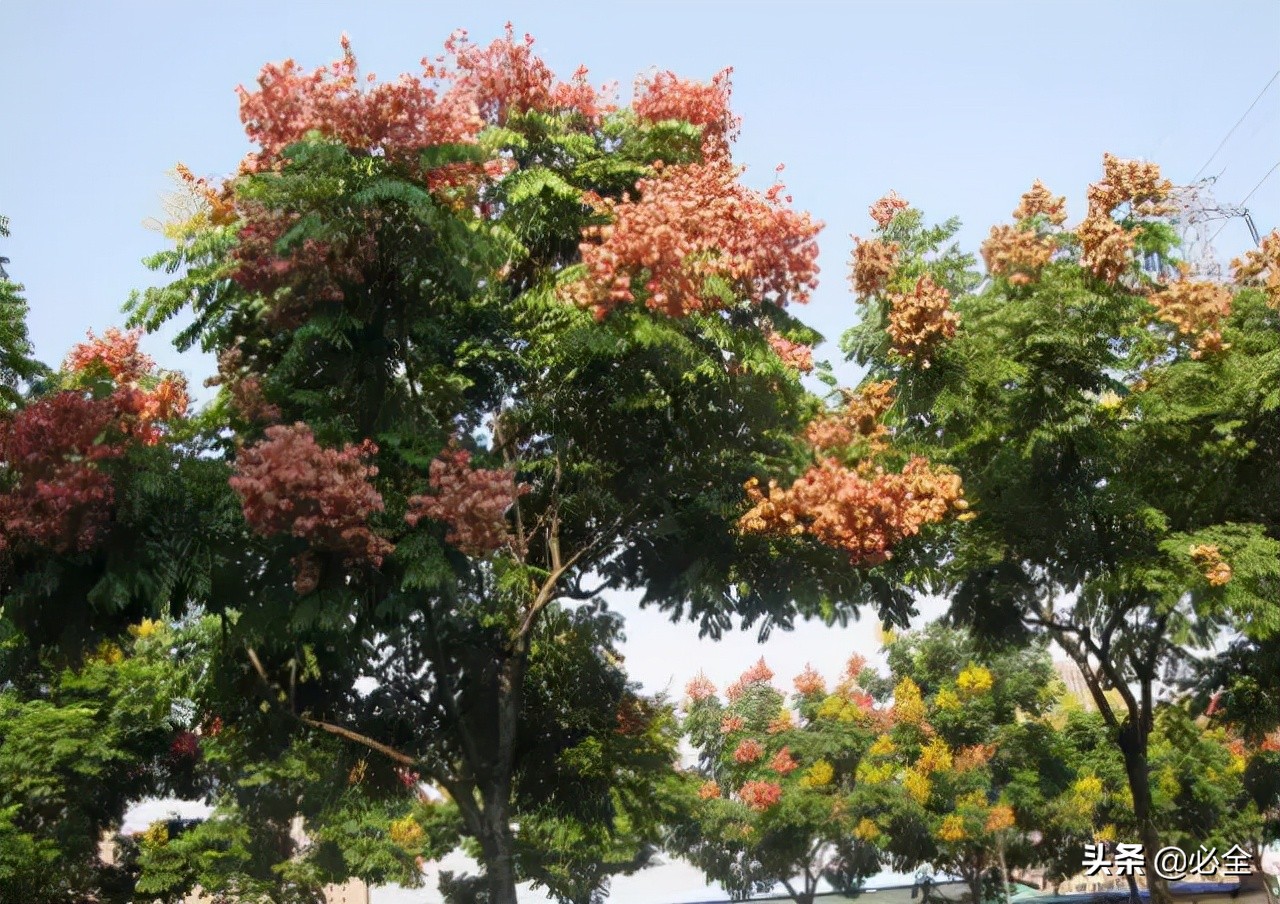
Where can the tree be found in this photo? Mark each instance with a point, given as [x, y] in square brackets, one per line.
[428, 298]
[966, 769]
[17, 366]
[773, 802]
[1115, 432]
[77, 747]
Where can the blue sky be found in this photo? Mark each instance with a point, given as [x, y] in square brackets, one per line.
[957, 106]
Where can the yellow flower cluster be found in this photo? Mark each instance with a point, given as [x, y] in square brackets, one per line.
[875, 773]
[819, 775]
[108, 654]
[406, 832]
[841, 709]
[935, 757]
[952, 829]
[947, 700]
[1000, 817]
[145, 628]
[866, 830]
[781, 722]
[1089, 788]
[883, 746]
[908, 705]
[917, 785]
[974, 680]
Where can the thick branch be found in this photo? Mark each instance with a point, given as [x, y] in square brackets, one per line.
[1081, 658]
[402, 758]
[547, 593]
[390, 752]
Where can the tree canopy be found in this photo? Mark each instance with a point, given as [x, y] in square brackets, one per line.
[1114, 425]
[489, 346]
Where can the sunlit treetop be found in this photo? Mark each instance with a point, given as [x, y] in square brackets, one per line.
[59, 493]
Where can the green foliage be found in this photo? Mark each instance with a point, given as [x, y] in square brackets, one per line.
[17, 367]
[978, 768]
[77, 746]
[1122, 482]
[774, 804]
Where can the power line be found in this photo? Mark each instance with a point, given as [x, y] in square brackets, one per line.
[1260, 181]
[1236, 126]
[1265, 177]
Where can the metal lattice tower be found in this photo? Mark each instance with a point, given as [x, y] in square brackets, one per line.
[1195, 208]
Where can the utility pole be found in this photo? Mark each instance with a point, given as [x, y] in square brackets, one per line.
[1195, 208]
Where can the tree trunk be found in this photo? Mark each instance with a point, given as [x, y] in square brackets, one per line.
[1004, 871]
[499, 842]
[500, 862]
[1133, 744]
[1135, 896]
[975, 883]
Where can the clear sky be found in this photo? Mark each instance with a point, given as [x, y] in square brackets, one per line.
[958, 106]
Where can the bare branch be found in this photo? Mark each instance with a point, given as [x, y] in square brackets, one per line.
[402, 758]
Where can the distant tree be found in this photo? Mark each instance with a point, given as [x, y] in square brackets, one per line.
[1116, 432]
[966, 770]
[772, 802]
[17, 366]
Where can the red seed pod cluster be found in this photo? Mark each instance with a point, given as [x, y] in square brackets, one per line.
[59, 497]
[810, 682]
[691, 225]
[665, 96]
[783, 762]
[61, 500]
[473, 502]
[1263, 266]
[1107, 246]
[507, 78]
[921, 320]
[1017, 253]
[309, 272]
[1132, 182]
[888, 207]
[1196, 310]
[759, 795]
[700, 688]
[1040, 202]
[795, 355]
[859, 421]
[873, 264]
[866, 515]
[748, 751]
[396, 118]
[289, 484]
